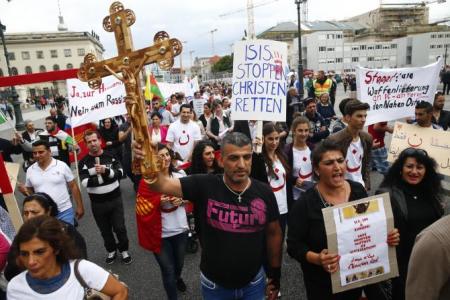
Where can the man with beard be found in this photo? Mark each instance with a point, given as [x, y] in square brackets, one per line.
[441, 117]
[317, 129]
[424, 115]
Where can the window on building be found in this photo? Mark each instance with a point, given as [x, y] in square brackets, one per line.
[370, 58]
[339, 59]
[69, 66]
[42, 69]
[432, 46]
[369, 47]
[28, 70]
[25, 55]
[322, 61]
[447, 35]
[377, 46]
[408, 59]
[393, 46]
[14, 71]
[439, 46]
[54, 53]
[355, 48]
[55, 67]
[433, 36]
[322, 49]
[11, 56]
[330, 49]
[80, 51]
[330, 60]
[40, 54]
[67, 52]
[363, 47]
[386, 47]
[440, 36]
[355, 59]
[330, 36]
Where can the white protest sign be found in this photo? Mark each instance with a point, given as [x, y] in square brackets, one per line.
[198, 105]
[87, 105]
[357, 231]
[259, 80]
[393, 93]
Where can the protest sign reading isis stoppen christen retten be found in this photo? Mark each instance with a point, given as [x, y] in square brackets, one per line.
[87, 105]
[259, 80]
[393, 93]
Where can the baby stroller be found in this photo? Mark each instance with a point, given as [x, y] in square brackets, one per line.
[192, 243]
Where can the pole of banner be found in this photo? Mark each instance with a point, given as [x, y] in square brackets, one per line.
[75, 154]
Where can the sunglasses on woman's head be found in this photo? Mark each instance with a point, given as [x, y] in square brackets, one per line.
[412, 151]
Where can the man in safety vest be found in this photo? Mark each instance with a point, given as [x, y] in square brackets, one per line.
[320, 85]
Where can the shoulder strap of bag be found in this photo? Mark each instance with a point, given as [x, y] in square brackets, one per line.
[78, 275]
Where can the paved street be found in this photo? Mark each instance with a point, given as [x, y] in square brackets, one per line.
[143, 275]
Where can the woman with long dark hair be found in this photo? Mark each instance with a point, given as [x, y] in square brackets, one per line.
[271, 166]
[204, 160]
[416, 197]
[109, 132]
[163, 230]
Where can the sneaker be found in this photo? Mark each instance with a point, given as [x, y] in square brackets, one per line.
[181, 286]
[111, 257]
[126, 258]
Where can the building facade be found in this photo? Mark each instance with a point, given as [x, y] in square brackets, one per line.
[47, 51]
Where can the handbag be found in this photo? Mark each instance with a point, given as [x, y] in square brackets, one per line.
[89, 293]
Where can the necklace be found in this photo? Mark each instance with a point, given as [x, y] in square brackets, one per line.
[237, 194]
[324, 203]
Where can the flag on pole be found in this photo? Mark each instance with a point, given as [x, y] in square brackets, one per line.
[152, 89]
[2, 117]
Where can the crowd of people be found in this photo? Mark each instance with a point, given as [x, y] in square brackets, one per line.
[246, 203]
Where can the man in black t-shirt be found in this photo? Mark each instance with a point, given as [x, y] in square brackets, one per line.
[239, 226]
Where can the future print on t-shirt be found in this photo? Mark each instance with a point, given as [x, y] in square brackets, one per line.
[237, 218]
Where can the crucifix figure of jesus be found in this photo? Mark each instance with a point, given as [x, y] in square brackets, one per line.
[126, 66]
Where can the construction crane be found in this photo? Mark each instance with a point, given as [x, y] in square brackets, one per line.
[422, 3]
[250, 16]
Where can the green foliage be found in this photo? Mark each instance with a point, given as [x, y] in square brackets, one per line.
[225, 64]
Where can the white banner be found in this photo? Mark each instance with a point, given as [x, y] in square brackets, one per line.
[393, 93]
[188, 87]
[260, 72]
[87, 105]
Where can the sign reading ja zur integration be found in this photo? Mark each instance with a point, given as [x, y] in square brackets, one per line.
[357, 231]
[393, 93]
[435, 142]
[87, 105]
[259, 80]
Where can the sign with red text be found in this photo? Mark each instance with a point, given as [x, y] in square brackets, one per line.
[393, 93]
[87, 105]
[357, 231]
[434, 141]
[259, 87]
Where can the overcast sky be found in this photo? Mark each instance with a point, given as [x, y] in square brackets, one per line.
[189, 21]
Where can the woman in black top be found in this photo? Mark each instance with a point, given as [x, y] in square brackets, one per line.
[307, 242]
[415, 191]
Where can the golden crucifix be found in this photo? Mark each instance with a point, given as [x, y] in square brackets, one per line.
[129, 63]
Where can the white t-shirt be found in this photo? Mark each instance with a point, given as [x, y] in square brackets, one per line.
[302, 167]
[94, 276]
[175, 108]
[174, 221]
[156, 136]
[278, 186]
[183, 136]
[53, 181]
[355, 153]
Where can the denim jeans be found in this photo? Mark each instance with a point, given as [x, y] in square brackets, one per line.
[67, 216]
[171, 260]
[254, 290]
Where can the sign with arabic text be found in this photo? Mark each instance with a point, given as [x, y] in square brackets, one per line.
[434, 141]
[357, 231]
[392, 94]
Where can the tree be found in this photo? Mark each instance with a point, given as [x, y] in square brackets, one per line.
[225, 64]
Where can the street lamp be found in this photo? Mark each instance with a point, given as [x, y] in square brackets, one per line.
[300, 65]
[16, 104]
